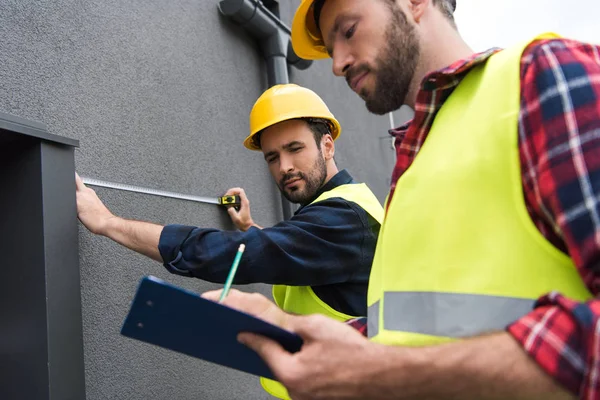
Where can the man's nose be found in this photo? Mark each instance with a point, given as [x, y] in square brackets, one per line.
[342, 60]
[285, 165]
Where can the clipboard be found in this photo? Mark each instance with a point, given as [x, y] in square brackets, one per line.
[168, 316]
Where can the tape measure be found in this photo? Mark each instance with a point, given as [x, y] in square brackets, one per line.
[221, 201]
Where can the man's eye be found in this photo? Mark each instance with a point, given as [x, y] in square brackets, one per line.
[350, 31]
[295, 149]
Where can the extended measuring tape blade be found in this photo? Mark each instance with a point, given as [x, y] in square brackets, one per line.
[223, 200]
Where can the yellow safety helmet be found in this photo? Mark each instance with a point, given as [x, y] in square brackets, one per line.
[307, 40]
[284, 102]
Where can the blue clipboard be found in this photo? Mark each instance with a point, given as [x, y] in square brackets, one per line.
[180, 320]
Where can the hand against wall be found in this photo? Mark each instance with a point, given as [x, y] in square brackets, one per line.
[92, 213]
[241, 217]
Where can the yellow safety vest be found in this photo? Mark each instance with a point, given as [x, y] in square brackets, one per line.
[302, 299]
[458, 254]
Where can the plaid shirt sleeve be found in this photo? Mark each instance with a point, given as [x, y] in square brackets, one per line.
[559, 136]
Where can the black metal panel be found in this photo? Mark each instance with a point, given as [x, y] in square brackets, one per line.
[12, 124]
[23, 343]
[41, 344]
[61, 243]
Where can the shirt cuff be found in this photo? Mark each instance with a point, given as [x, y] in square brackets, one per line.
[172, 238]
[559, 335]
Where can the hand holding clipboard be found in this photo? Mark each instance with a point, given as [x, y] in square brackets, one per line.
[167, 316]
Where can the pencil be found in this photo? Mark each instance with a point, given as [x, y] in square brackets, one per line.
[232, 271]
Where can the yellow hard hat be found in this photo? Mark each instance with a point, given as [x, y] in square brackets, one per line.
[284, 102]
[307, 40]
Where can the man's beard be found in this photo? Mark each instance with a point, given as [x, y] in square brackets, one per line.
[396, 65]
[312, 182]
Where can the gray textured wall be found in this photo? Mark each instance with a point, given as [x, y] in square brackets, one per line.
[158, 93]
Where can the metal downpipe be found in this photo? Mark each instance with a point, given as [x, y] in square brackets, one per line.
[274, 40]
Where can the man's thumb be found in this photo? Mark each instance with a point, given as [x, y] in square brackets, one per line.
[233, 213]
[269, 350]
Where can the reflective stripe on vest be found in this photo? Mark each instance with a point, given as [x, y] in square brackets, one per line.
[459, 315]
[458, 254]
[302, 299]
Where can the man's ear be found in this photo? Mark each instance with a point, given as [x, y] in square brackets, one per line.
[327, 147]
[417, 8]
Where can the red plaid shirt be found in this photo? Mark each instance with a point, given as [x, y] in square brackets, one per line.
[559, 143]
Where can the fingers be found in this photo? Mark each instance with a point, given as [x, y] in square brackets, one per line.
[79, 182]
[214, 295]
[274, 355]
[237, 191]
[316, 325]
[270, 351]
[244, 200]
[240, 215]
[234, 191]
[233, 212]
[251, 303]
[234, 299]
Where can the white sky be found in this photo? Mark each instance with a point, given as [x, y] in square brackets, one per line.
[500, 23]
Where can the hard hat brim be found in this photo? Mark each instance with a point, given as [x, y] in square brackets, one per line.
[306, 44]
[335, 131]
